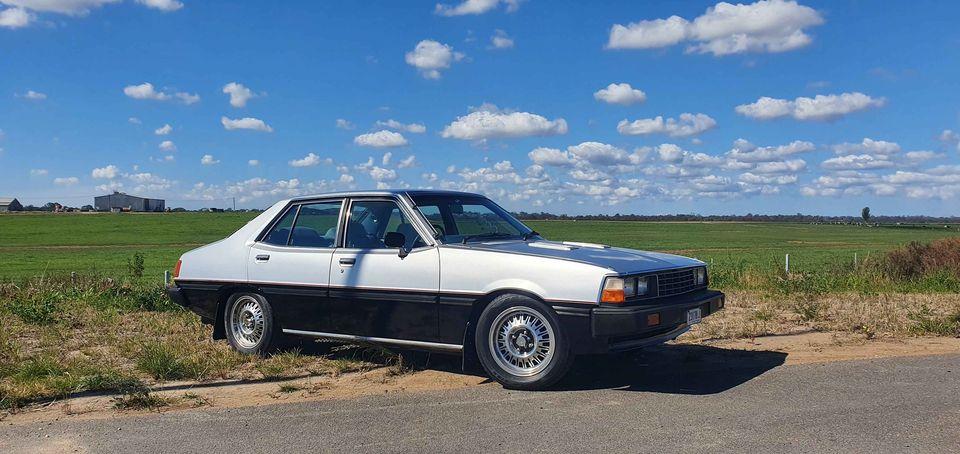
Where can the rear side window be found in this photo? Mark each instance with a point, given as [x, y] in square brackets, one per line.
[316, 226]
[280, 233]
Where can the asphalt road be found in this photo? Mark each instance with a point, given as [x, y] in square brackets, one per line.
[667, 401]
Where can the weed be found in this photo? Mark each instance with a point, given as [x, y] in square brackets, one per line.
[135, 265]
[287, 388]
[809, 310]
[281, 364]
[925, 322]
[141, 400]
[165, 362]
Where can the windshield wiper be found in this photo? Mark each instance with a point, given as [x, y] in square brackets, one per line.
[484, 235]
[530, 234]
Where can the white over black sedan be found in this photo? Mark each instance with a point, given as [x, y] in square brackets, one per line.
[437, 270]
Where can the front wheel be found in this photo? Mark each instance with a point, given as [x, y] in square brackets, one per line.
[250, 326]
[520, 343]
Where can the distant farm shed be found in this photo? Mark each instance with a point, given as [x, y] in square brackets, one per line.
[119, 201]
[9, 204]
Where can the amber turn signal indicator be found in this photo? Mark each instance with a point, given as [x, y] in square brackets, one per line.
[653, 319]
[613, 291]
[176, 269]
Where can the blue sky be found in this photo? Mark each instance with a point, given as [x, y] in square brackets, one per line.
[766, 107]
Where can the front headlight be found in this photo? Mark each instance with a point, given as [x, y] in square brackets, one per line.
[700, 276]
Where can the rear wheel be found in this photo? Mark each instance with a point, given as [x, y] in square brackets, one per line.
[520, 343]
[250, 326]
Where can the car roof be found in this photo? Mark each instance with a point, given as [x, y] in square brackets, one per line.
[388, 192]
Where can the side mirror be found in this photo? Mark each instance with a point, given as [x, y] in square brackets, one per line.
[397, 240]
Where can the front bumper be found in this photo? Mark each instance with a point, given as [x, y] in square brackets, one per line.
[626, 328]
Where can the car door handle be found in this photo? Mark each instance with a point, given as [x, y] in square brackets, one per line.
[348, 261]
[263, 258]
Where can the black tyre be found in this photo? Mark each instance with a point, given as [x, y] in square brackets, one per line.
[250, 325]
[521, 344]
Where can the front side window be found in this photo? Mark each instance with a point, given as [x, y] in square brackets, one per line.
[371, 220]
[463, 219]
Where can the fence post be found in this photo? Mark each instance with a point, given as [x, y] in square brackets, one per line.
[854, 260]
[166, 277]
[786, 262]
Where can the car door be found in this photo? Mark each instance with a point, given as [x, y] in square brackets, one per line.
[290, 263]
[376, 292]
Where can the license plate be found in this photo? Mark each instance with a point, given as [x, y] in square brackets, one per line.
[693, 316]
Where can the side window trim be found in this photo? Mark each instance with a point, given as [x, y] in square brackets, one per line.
[293, 225]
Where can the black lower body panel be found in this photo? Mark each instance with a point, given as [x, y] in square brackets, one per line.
[631, 327]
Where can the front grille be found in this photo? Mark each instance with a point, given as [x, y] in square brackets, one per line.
[675, 282]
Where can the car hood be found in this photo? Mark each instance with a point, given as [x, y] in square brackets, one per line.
[621, 260]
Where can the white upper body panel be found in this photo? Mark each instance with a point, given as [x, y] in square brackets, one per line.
[226, 260]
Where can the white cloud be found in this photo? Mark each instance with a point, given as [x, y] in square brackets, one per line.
[688, 125]
[818, 108]
[724, 29]
[669, 152]
[788, 166]
[253, 162]
[415, 128]
[239, 95]
[474, 7]
[68, 181]
[747, 152]
[345, 178]
[386, 158]
[407, 162]
[15, 18]
[187, 98]
[500, 40]
[599, 153]
[105, 173]
[163, 130]
[309, 160]
[38, 172]
[381, 139]
[68, 7]
[430, 56]
[134, 121]
[380, 174]
[867, 146]
[146, 90]
[254, 124]
[162, 5]
[622, 94]
[33, 95]
[551, 157]
[490, 122]
[208, 160]
[167, 145]
[344, 124]
[856, 162]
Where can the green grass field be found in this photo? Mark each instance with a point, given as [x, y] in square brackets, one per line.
[45, 244]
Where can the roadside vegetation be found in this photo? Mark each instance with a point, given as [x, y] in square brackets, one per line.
[88, 333]
[86, 312]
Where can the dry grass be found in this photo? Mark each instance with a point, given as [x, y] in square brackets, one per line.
[75, 335]
[752, 314]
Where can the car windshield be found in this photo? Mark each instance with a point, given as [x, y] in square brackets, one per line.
[462, 219]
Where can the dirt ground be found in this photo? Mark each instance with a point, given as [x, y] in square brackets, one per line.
[442, 373]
